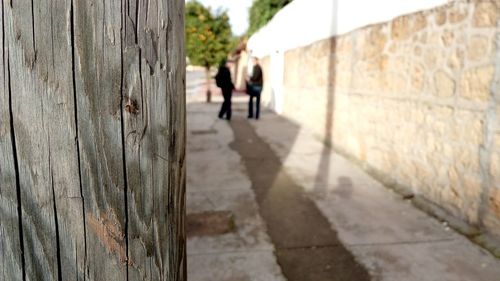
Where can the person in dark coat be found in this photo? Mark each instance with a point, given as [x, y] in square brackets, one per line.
[223, 81]
[254, 88]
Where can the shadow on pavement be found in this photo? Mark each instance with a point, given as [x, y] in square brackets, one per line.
[306, 246]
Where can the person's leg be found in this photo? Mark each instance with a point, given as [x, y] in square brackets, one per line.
[257, 106]
[250, 106]
[222, 109]
[227, 102]
[229, 111]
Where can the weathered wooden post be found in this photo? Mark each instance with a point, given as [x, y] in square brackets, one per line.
[92, 140]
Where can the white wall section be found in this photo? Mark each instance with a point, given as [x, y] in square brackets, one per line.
[303, 22]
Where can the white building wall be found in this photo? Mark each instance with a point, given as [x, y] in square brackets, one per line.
[303, 22]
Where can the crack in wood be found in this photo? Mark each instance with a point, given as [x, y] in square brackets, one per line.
[56, 223]
[136, 27]
[33, 34]
[77, 140]
[130, 107]
[16, 166]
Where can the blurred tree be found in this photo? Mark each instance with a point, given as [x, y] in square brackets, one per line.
[208, 37]
[262, 11]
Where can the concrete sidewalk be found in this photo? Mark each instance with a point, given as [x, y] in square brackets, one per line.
[217, 182]
[387, 235]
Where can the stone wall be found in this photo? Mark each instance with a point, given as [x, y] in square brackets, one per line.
[413, 99]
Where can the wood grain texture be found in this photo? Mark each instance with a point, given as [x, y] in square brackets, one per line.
[93, 142]
[154, 69]
[10, 254]
[98, 73]
[43, 119]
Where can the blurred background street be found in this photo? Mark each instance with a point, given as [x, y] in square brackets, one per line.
[377, 152]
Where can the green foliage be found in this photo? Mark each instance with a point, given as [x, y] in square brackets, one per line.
[208, 35]
[262, 11]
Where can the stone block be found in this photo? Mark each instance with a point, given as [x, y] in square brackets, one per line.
[475, 83]
[495, 202]
[393, 48]
[471, 193]
[400, 28]
[425, 175]
[485, 14]
[417, 77]
[378, 63]
[440, 17]
[467, 161]
[434, 38]
[452, 197]
[417, 51]
[447, 38]
[496, 142]
[423, 37]
[448, 151]
[472, 186]
[430, 144]
[344, 44]
[453, 176]
[442, 129]
[470, 126]
[407, 170]
[444, 84]
[495, 166]
[398, 64]
[430, 58]
[419, 116]
[498, 118]
[419, 22]
[442, 112]
[478, 47]
[373, 43]
[456, 60]
[458, 13]
[367, 82]
[394, 83]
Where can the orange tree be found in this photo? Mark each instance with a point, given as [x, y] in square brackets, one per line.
[208, 37]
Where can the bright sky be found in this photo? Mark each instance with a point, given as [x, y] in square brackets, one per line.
[237, 9]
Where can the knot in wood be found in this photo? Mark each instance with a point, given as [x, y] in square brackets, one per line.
[131, 106]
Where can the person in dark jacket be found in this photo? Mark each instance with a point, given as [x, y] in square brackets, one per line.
[223, 81]
[254, 88]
